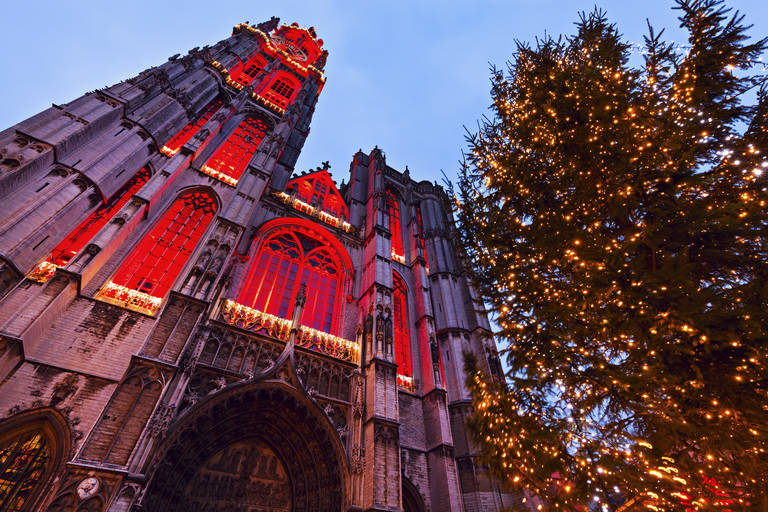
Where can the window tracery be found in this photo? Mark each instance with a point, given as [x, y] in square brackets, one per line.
[282, 90]
[151, 268]
[288, 257]
[24, 460]
[172, 146]
[231, 158]
[245, 73]
[402, 332]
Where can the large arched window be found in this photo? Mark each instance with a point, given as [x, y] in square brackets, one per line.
[151, 268]
[393, 209]
[289, 256]
[402, 332]
[231, 158]
[172, 146]
[82, 234]
[282, 90]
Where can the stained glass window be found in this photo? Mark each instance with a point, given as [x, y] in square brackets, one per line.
[23, 463]
[287, 258]
[231, 158]
[402, 332]
[172, 146]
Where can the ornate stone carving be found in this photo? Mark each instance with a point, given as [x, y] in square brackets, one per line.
[158, 425]
[88, 487]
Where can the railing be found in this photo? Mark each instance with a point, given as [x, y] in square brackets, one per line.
[270, 325]
[130, 299]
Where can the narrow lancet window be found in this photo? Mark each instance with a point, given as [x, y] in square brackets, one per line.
[420, 237]
[398, 254]
[402, 333]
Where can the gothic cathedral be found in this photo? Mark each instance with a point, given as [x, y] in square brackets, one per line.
[187, 325]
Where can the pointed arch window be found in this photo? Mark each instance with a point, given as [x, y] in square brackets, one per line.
[291, 256]
[420, 237]
[79, 237]
[153, 265]
[232, 157]
[172, 146]
[24, 461]
[402, 332]
[245, 73]
[398, 254]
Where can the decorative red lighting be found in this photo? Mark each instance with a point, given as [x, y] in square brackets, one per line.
[232, 157]
[318, 190]
[172, 146]
[287, 258]
[394, 227]
[282, 90]
[82, 234]
[402, 332]
[245, 73]
[155, 262]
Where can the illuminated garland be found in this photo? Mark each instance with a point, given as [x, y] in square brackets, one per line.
[258, 321]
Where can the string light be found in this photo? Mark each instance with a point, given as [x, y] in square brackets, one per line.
[617, 219]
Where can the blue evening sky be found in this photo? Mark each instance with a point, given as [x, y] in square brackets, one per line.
[406, 76]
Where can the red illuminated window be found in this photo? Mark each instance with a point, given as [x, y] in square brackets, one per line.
[244, 74]
[172, 146]
[420, 237]
[154, 263]
[83, 233]
[317, 189]
[394, 227]
[281, 91]
[402, 332]
[232, 157]
[287, 258]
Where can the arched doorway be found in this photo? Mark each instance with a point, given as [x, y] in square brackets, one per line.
[256, 446]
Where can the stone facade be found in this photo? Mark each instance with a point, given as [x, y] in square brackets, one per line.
[132, 397]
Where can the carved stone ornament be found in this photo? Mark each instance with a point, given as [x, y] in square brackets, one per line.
[87, 488]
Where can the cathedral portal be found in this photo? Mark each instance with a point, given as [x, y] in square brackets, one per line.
[259, 447]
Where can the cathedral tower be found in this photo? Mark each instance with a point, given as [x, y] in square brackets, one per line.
[187, 324]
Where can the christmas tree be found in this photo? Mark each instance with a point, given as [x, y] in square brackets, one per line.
[616, 216]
